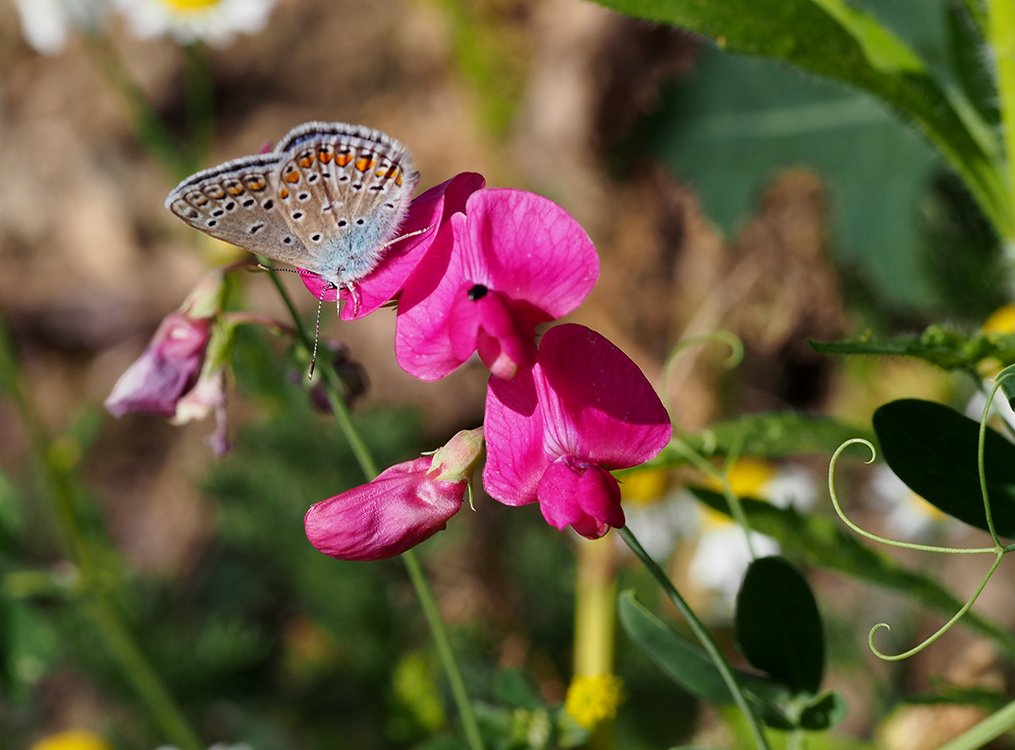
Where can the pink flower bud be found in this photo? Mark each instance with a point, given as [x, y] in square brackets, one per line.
[403, 506]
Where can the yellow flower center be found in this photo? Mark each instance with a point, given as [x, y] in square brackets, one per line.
[593, 699]
[190, 6]
[72, 739]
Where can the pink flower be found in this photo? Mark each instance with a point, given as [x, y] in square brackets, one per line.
[555, 432]
[403, 506]
[515, 260]
[432, 209]
[167, 369]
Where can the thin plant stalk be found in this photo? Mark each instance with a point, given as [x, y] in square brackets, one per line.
[595, 620]
[989, 729]
[438, 630]
[1001, 37]
[702, 634]
[96, 601]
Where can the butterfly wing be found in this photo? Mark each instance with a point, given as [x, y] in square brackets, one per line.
[239, 202]
[344, 189]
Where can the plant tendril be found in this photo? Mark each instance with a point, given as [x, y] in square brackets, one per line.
[733, 341]
[940, 631]
[876, 537]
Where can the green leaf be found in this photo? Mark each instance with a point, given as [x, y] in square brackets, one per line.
[778, 625]
[690, 667]
[827, 709]
[933, 449]
[767, 435]
[511, 687]
[938, 345]
[826, 543]
[828, 39]
[735, 123]
[1007, 383]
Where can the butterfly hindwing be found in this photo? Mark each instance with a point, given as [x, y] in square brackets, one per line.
[349, 189]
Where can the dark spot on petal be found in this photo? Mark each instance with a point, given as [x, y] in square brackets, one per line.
[477, 293]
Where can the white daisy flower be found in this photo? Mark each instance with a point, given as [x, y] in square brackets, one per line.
[907, 515]
[214, 21]
[722, 556]
[46, 24]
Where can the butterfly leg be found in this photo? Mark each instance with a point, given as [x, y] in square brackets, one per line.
[353, 297]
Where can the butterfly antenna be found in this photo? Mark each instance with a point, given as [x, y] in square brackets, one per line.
[317, 337]
[262, 267]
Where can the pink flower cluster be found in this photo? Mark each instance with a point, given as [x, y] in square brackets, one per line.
[493, 265]
[478, 271]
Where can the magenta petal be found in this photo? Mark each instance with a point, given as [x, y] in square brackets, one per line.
[423, 346]
[515, 459]
[586, 497]
[167, 369]
[600, 406]
[517, 245]
[531, 250]
[393, 513]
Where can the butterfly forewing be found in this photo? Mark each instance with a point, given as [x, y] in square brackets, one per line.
[349, 188]
[239, 202]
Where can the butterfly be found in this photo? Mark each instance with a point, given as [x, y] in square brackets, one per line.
[329, 199]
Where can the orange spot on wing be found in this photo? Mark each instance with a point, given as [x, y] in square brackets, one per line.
[366, 162]
[215, 192]
[283, 193]
[234, 188]
[255, 183]
[306, 159]
[292, 177]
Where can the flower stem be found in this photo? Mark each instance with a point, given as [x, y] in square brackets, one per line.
[701, 633]
[1001, 37]
[595, 620]
[438, 630]
[990, 728]
[61, 489]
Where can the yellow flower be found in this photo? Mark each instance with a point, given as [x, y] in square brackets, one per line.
[1002, 320]
[644, 487]
[72, 739]
[593, 699]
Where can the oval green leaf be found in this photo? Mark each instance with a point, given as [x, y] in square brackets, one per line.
[933, 449]
[778, 624]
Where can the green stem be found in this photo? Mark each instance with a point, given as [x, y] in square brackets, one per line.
[200, 103]
[595, 620]
[1001, 36]
[701, 633]
[439, 633]
[148, 126]
[438, 630]
[96, 600]
[990, 728]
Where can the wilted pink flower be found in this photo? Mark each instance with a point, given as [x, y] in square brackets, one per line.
[403, 506]
[431, 210]
[208, 396]
[515, 260]
[167, 369]
[556, 431]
